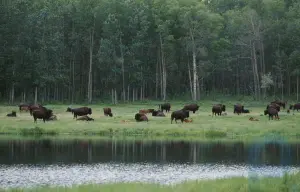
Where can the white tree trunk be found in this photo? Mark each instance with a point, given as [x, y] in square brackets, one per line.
[123, 71]
[194, 76]
[112, 96]
[35, 95]
[116, 98]
[164, 73]
[90, 81]
[297, 88]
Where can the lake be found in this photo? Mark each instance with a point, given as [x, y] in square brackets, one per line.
[35, 162]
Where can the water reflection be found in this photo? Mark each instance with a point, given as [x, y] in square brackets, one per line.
[159, 152]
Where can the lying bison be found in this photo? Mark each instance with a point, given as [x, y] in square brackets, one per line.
[165, 106]
[271, 112]
[295, 107]
[280, 103]
[180, 114]
[107, 112]
[42, 113]
[238, 108]
[84, 118]
[218, 109]
[140, 117]
[12, 114]
[80, 111]
[191, 107]
[245, 111]
[158, 114]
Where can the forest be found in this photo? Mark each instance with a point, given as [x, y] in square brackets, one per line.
[74, 51]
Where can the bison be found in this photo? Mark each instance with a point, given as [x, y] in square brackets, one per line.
[272, 112]
[34, 107]
[52, 118]
[217, 109]
[24, 107]
[80, 111]
[145, 111]
[295, 107]
[280, 103]
[42, 113]
[165, 106]
[84, 118]
[158, 114]
[191, 107]
[273, 105]
[180, 114]
[141, 117]
[107, 112]
[12, 114]
[238, 108]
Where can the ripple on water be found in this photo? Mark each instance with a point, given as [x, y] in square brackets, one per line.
[67, 175]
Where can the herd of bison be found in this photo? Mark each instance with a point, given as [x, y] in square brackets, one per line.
[40, 112]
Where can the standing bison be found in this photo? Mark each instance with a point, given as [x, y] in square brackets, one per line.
[165, 106]
[107, 112]
[238, 108]
[295, 107]
[34, 107]
[80, 111]
[280, 103]
[23, 107]
[191, 107]
[273, 105]
[180, 114]
[271, 111]
[41, 113]
[218, 109]
[140, 117]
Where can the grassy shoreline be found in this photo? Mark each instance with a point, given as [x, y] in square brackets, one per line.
[203, 127]
[236, 184]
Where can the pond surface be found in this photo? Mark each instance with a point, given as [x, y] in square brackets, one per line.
[29, 163]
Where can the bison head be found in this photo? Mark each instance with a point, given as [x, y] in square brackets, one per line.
[90, 111]
[266, 112]
[69, 109]
[223, 107]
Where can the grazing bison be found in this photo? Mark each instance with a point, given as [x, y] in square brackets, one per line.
[12, 114]
[80, 111]
[238, 108]
[217, 109]
[34, 107]
[180, 114]
[24, 107]
[280, 103]
[107, 112]
[84, 118]
[272, 112]
[165, 106]
[141, 117]
[42, 113]
[158, 114]
[191, 107]
[273, 105]
[295, 107]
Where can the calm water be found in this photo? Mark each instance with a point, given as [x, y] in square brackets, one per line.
[27, 163]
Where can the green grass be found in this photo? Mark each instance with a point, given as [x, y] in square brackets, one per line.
[287, 183]
[123, 124]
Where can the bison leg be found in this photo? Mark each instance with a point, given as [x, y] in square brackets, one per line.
[194, 111]
[44, 120]
[34, 120]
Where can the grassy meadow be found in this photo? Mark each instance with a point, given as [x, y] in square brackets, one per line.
[123, 124]
[238, 184]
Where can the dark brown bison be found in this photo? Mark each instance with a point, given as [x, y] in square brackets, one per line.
[245, 111]
[12, 114]
[217, 109]
[273, 105]
[280, 103]
[158, 114]
[191, 107]
[42, 113]
[165, 106]
[271, 112]
[84, 118]
[238, 108]
[34, 107]
[141, 117]
[107, 112]
[80, 111]
[295, 107]
[24, 107]
[180, 114]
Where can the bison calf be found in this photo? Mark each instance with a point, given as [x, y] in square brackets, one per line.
[180, 114]
[140, 117]
[12, 114]
[107, 112]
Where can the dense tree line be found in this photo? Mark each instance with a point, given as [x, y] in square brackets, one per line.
[126, 50]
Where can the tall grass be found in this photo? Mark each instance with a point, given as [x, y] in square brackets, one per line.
[288, 183]
[204, 126]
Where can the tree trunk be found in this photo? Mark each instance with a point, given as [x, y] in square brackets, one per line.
[112, 96]
[194, 67]
[116, 98]
[255, 73]
[164, 73]
[133, 94]
[297, 88]
[90, 81]
[190, 79]
[123, 71]
[12, 98]
[24, 96]
[128, 93]
[35, 95]
[157, 77]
